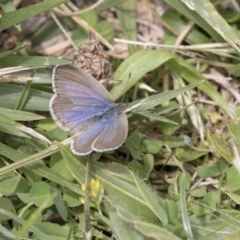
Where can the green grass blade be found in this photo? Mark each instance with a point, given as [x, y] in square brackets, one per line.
[11, 18]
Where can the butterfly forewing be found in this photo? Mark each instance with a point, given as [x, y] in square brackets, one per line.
[71, 73]
[74, 102]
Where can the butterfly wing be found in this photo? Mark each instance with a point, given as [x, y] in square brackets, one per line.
[84, 107]
[81, 144]
[101, 134]
[78, 97]
[113, 134]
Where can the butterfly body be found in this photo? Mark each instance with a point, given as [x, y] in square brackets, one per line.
[83, 107]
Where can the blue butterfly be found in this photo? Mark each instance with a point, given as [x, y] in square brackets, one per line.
[84, 108]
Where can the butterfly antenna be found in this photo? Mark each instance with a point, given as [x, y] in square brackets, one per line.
[63, 30]
[125, 90]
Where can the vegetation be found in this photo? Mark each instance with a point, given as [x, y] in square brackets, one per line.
[177, 175]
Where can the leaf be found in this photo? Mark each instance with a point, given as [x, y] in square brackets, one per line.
[179, 25]
[137, 65]
[7, 53]
[183, 207]
[151, 146]
[127, 15]
[209, 13]
[153, 231]
[17, 115]
[186, 154]
[19, 220]
[37, 100]
[9, 7]
[56, 231]
[11, 18]
[189, 14]
[7, 205]
[120, 183]
[157, 99]
[234, 128]
[58, 165]
[206, 171]
[21, 159]
[59, 203]
[31, 61]
[24, 95]
[134, 141]
[122, 228]
[219, 146]
[40, 194]
[6, 233]
[8, 186]
[9, 126]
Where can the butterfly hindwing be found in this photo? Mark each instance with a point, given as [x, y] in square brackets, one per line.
[113, 135]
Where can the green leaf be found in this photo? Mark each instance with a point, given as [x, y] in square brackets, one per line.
[151, 146]
[107, 4]
[7, 53]
[190, 14]
[11, 18]
[157, 99]
[106, 30]
[23, 190]
[123, 229]
[153, 231]
[179, 25]
[21, 159]
[233, 179]
[157, 117]
[8, 186]
[71, 198]
[40, 194]
[6, 233]
[189, 73]
[31, 61]
[206, 171]
[37, 100]
[186, 154]
[127, 15]
[199, 192]
[219, 146]
[121, 183]
[234, 128]
[138, 64]
[148, 160]
[209, 13]
[136, 167]
[56, 231]
[9, 126]
[9, 7]
[183, 207]
[24, 95]
[7, 205]
[134, 141]
[17, 115]
[33, 229]
[90, 17]
[58, 165]
[59, 203]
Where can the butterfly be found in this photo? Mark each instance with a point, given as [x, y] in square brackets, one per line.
[84, 108]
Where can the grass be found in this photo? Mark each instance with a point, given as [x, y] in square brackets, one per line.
[177, 175]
